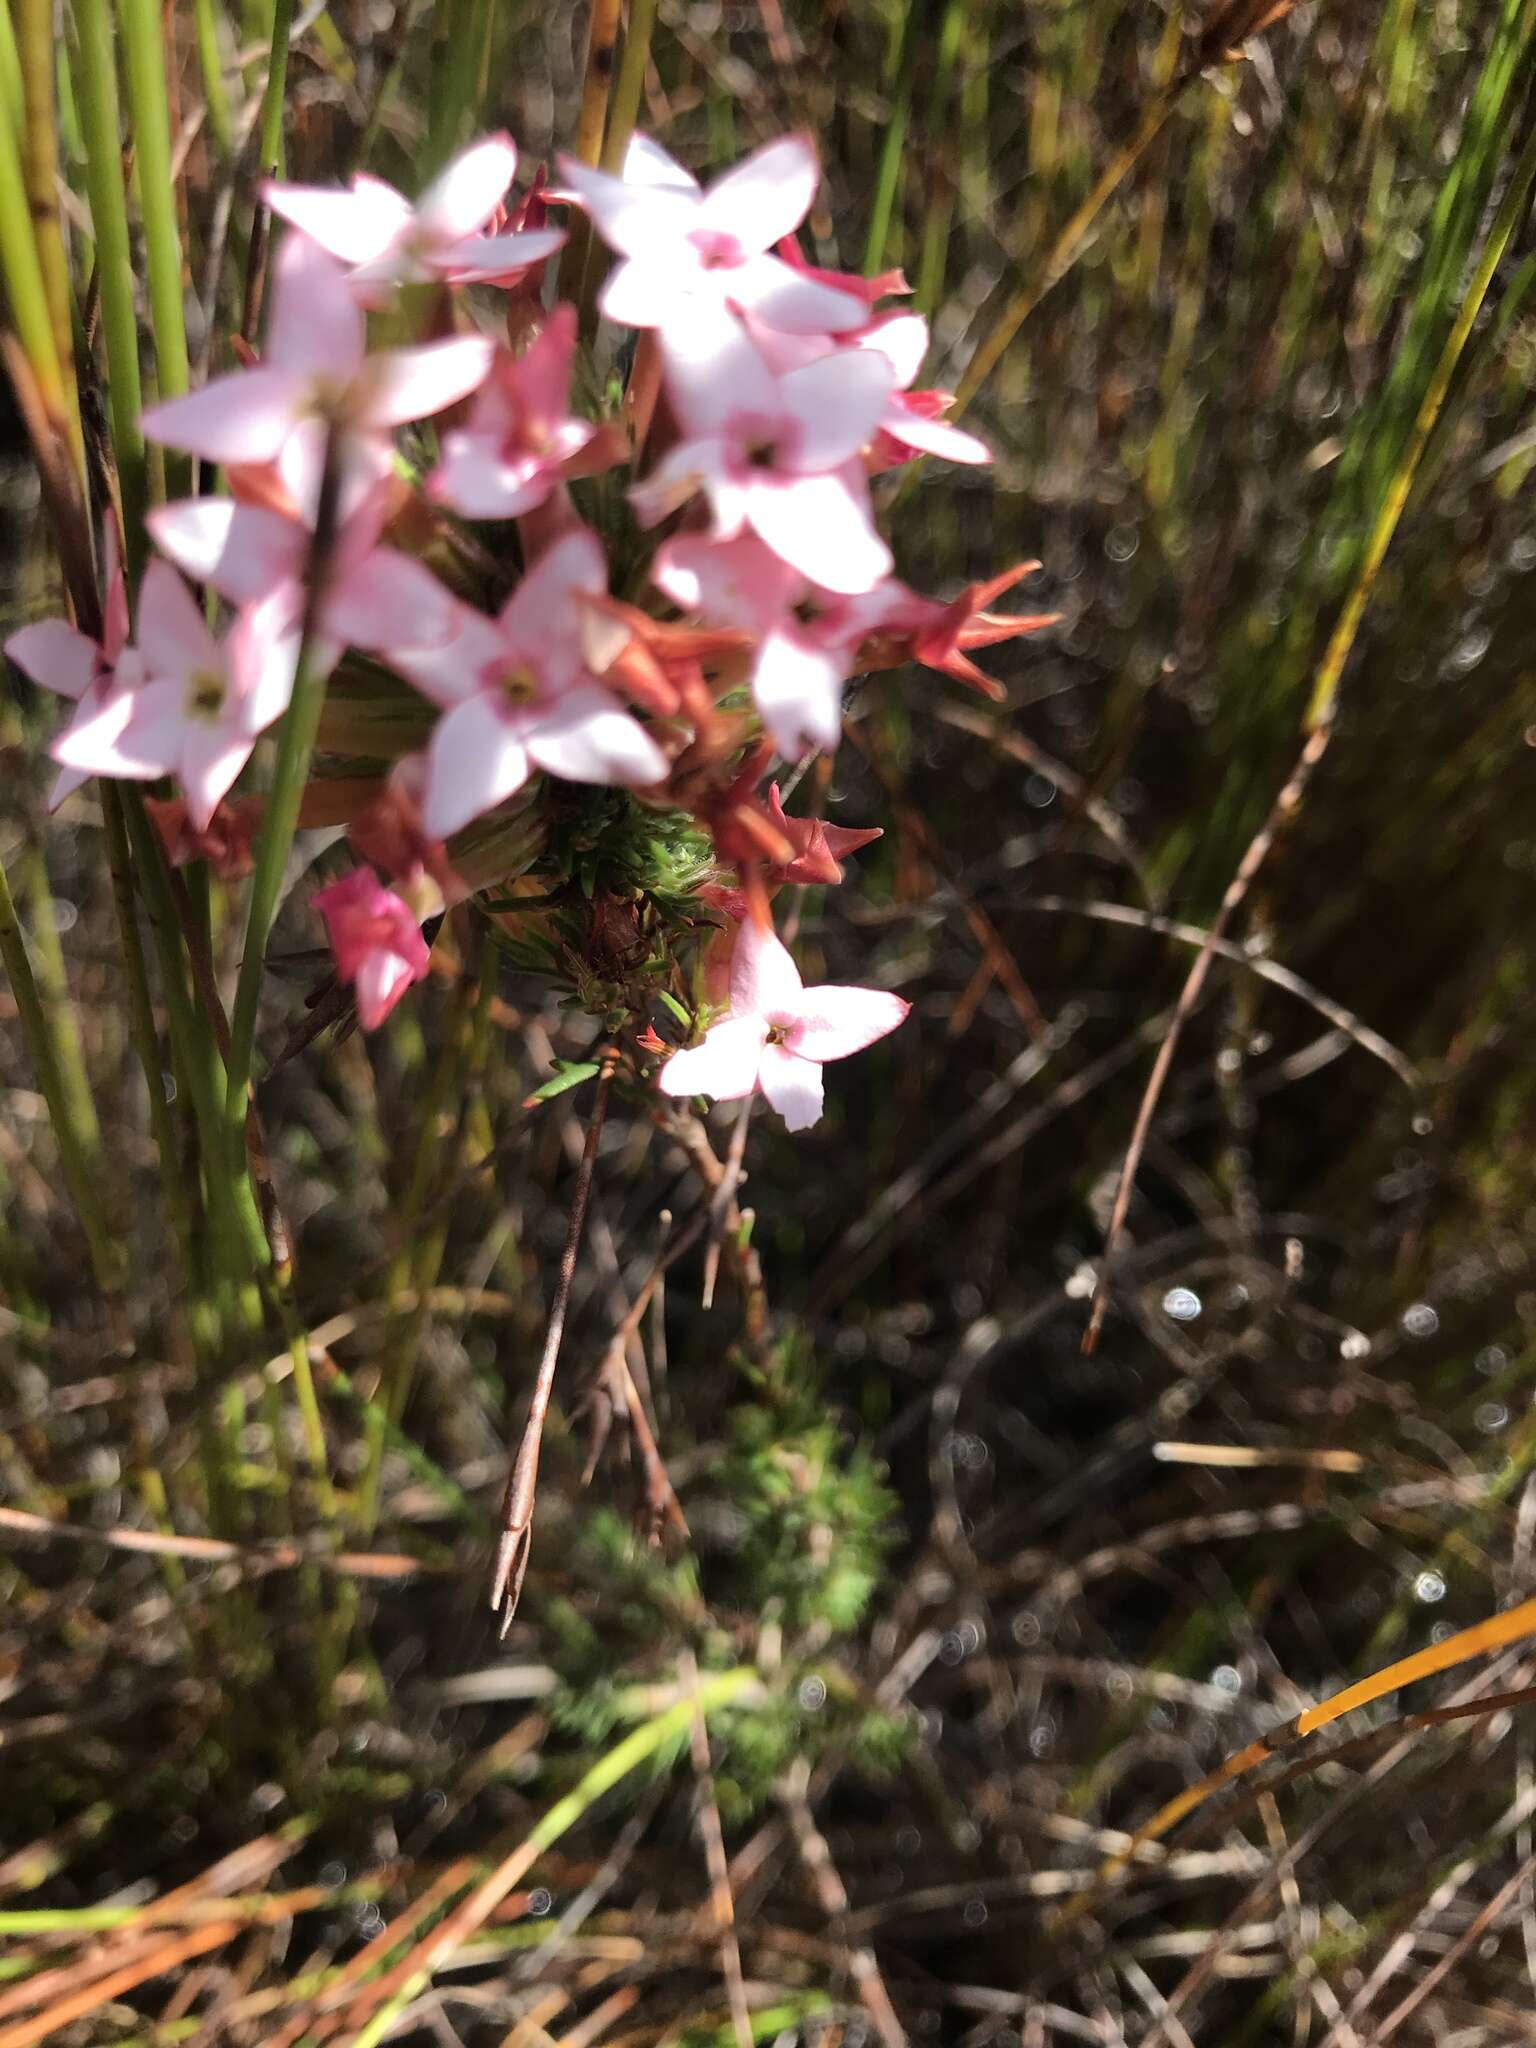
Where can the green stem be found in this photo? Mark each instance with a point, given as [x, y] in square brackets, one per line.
[81, 1168]
[144, 63]
[10, 73]
[271, 157]
[211, 66]
[53, 993]
[22, 272]
[97, 84]
[914, 41]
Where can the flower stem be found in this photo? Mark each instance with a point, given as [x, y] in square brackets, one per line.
[97, 86]
[629, 84]
[37, 54]
[22, 274]
[210, 63]
[270, 148]
[144, 63]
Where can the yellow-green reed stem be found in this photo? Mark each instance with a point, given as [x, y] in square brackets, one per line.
[215, 98]
[97, 83]
[53, 993]
[22, 274]
[36, 49]
[662, 1732]
[270, 151]
[76, 1155]
[913, 42]
[602, 33]
[461, 58]
[630, 83]
[10, 73]
[144, 64]
[1512, 209]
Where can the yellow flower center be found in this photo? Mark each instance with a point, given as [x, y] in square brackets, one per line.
[205, 695]
[519, 685]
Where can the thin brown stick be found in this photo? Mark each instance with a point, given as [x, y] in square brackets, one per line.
[512, 1550]
[721, 1200]
[721, 1900]
[1285, 806]
[274, 1557]
[1468, 1939]
[833, 1897]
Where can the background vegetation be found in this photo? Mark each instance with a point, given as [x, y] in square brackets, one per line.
[961, 1605]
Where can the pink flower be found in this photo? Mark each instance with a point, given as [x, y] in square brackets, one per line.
[779, 1033]
[375, 597]
[201, 704]
[519, 440]
[376, 940]
[686, 249]
[386, 241]
[518, 696]
[806, 634]
[58, 657]
[317, 368]
[911, 423]
[776, 455]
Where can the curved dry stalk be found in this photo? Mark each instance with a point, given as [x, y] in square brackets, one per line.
[515, 1542]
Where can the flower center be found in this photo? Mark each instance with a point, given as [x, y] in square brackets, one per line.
[718, 250]
[519, 685]
[205, 695]
[777, 1033]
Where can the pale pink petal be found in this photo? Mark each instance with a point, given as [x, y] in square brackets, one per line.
[381, 980]
[243, 551]
[65, 783]
[543, 371]
[785, 298]
[734, 582]
[212, 755]
[405, 384]
[114, 624]
[636, 218]
[652, 291]
[357, 225]
[465, 193]
[724, 1064]
[647, 163]
[765, 981]
[714, 373]
[903, 339]
[934, 437]
[680, 475]
[837, 403]
[55, 656]
[244, 417]
[316, 327]
[584, 736]
[490, 259]
[476, 757]
[766, 196]
[832, 1022]
[390, 600]
[822, 526]
[365, 461]
[792, 1086]
[129, 733]
[539, 613]
[262, 655]
[452, 670]
[173, 638]
[476, 480]
[798, 688]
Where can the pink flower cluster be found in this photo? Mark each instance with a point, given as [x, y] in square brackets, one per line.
[784, 390]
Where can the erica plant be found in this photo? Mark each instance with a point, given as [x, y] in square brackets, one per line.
[546, 659]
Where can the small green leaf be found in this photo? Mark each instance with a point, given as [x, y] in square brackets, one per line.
[676, 1009]
[564, 1077]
